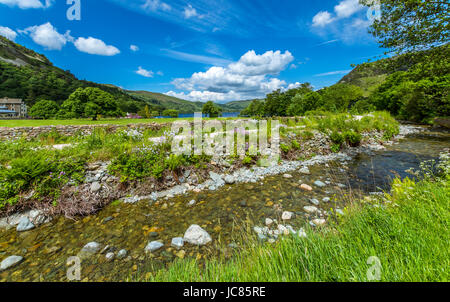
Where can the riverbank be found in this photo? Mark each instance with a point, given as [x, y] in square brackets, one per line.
[401, 237]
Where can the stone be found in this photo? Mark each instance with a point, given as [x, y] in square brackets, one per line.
[122, 254]
[319, 222]
[91, 248]
[287, 215]
[153, 246]
[340, 212]
[287, 176]
[25, 225]
[326, 199]
[229, 180]
[306, 187]
[110, 257]
[269, 221]
[177, 242]
[197, 236]
[305, 171]
[243, 203]
[95, 187]
[310, 209]
[315, 202]
[10, 262]
[192, 203]
[319, 184]
[258, 230]
[283, 230]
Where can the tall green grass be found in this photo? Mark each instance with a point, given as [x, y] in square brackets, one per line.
[407, 231]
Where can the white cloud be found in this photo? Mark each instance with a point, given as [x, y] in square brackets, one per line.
[322, 19]
[250, 77]
[145, 73]
[95, 47]
[47, 36]
[190, 12]
[134, 48]
[26, 4]
[8, 33]
[155, 5]
[347, 8]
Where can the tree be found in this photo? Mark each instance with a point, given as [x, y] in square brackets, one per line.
[255, 109]
[339, 97]
[303, 103]
[44, 109]
[410, 25]
[170, 112]
[211, 109]
[90, 102]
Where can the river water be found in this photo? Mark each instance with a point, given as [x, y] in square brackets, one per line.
[226, 214]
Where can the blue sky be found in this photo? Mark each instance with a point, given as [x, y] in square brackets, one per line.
[197, 49]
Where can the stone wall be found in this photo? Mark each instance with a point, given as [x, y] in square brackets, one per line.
[34, 132]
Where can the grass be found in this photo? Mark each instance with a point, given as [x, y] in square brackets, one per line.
[408, 233]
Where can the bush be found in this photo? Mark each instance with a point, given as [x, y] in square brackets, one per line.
[353, 138]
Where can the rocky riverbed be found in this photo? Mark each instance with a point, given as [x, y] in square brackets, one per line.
[191, 220]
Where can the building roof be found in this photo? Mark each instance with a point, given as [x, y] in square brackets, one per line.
[10, 101]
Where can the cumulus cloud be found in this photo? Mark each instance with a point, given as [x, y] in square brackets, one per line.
[145, 73]
[322, 19]
[26, 4]
[344, 9]
[95, 46]
[134, 48]
[48, 36]
[155, 5]
[8, 33]
[250, 77]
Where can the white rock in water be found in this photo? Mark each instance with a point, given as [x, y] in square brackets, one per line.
[305, 170]
[197, 236]
[91, 248]
[153, 246]
[10, 262]
[178, 242]
[95, 187]
[326, 199]
[310, 209]
[122, 254]
[25, 225]
[287, 215]
[315, 202]
[319, 222]
[110, 257]
[319, 184]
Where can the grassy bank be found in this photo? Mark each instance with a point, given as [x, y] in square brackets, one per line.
[407, 231]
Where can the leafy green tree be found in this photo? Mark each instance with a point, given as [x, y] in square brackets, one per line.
[339, 97]
[44, 109]
[170, 112]
[409, 25]
[211, 109]
[90, 102]
[255, 109]
[303, 103]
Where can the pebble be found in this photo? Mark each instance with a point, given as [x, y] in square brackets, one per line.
[25, 225]
[177, 242]
[305, 171]
[287, 176]
[95, 187]
[91, 248]
[229, 180]
[110, 257]
[326, 199]
[319, 184]
[153, 246]
[10, 262]
[315, 202]
[197, 236]
[310, 209]
[122, 254]
[192, 203]
[269, 221]
[319, 222]
[287, 215]
[306, 187]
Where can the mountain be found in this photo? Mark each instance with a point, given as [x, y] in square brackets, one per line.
[30, 76]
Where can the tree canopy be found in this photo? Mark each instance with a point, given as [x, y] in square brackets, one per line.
[211, 109]
[44, 109]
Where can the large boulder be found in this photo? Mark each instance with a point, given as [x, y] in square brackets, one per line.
[197, 236]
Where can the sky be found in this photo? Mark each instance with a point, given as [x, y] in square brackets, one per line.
[198, 50]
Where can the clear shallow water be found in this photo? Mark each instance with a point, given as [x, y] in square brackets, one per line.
[223, 213]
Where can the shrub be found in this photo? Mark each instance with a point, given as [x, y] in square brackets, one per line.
[296, 145]
[353, 138]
